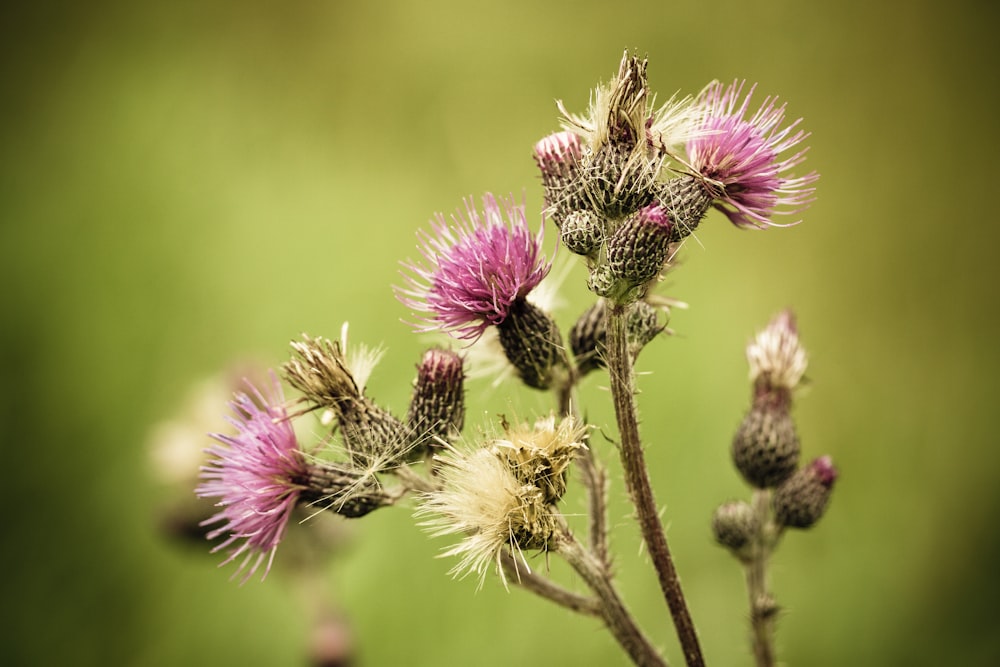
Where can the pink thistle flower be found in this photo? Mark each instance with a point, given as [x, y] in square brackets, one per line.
[476, 268]
[258, 475]
[741, 156]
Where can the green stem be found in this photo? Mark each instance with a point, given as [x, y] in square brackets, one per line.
[762, 606]
[621, 374]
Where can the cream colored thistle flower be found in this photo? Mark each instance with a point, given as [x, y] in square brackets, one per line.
[503, 495]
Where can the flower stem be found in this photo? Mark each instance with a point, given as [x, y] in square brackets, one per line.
[613, 611]
[620, 370]
[762, 605]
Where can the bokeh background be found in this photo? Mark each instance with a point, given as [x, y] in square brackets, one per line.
[187, 186]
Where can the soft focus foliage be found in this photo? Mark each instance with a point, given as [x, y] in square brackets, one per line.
[187, 186]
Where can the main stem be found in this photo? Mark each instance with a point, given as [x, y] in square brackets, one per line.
[762, 605]
[621, 374]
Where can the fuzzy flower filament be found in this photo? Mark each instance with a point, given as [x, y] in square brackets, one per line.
[741, 158]
[476, 268]
[503, 495]
[257, 475]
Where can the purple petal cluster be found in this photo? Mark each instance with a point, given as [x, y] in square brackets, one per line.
[743, 156]
[256, 474]
[475, 268]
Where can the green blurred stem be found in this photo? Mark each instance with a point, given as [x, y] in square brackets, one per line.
[762, 605]
[613, 611]
[622, 379]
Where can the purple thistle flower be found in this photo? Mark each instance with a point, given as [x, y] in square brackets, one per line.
[257, 475]
[476, 268]
[742, 155]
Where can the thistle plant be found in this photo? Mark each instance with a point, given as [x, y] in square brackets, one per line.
[624, 185]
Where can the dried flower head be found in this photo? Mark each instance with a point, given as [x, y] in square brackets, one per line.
[318, 369]
[626, 140]
[475, 269]
[741, 157]
[257, 475]
[623, 111]
[483, 500]
[777, 359]
[503, 495]
[539, 453]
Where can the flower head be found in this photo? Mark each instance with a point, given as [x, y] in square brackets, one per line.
[257, 475]
[503, 495]
[777, 359]
[741, 156]
[476, 268]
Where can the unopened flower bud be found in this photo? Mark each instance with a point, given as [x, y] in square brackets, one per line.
[766, 447]
[582, 232]
[640, 247]
[616, 182]
[802, 499]
[687, 200]
[602, 281]
[557, 156]
[532, 343]
[735, 525]
[589, 334]
[437, 408]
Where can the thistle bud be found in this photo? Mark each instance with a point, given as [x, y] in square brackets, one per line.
[766, 447]
[688, 200]
[582, 232]
[602, 281]
[802, 499]
[618, 181]
[734, 526]
[557, 156]
[640, 247]
[532, 343]
[437, 408]
[589, 334]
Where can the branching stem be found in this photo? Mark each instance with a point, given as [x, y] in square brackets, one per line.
[613, 611]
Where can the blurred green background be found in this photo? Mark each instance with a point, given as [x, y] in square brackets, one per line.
[187, 186]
